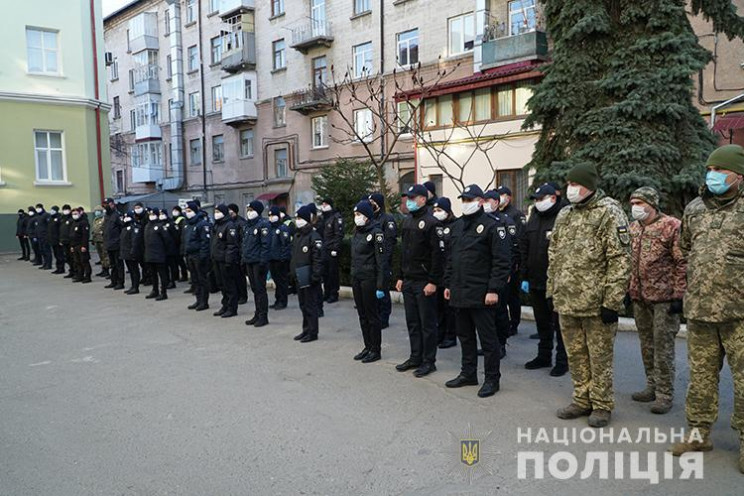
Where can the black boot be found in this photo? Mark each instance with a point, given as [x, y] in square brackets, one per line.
[163, 296]
[559, 370]
[538, 363]
[153, 294]
[252, 321]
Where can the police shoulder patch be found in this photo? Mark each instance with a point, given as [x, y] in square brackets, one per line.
[304, 249]
[129, 228]
[369, 238]
[446, 230]
[318, 243]
[379, 237]
[439, 231]
[422, 224]
[340, 220]
[278, 231]
[502, 232]
[479, 229]
[512, 230]
[391, 225]
[156, 228]
[264, 231]
[623, 234]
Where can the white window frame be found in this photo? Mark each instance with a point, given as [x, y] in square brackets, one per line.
[406, 119]
[147, 155]
[116, 107]
[285, 169]
[192, 57]
[214, 6]
[277, 7]
[115, 69]
[194, 104]
[49, 149]
[525, 11]
[132, 120]
[364, 125]
[362, 6]
[166, 21]
[319, 132]
[406, 45]
[279, 55]
[463, 21]
[195, 152]
[190, 11]
[216, 50]
[218, 147]
[216, 93]
[280, 119]
[168, 67]
[362, 58]
[44, 51]
[246, 137]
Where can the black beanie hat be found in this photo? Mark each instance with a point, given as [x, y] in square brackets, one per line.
[257, 206]
[305, 213]
[233, 208]
[222, 208]
[365, 208]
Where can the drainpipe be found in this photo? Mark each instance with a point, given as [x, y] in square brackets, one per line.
[176, 181]
[382, 86]
[203, 101]
[481, 20]
[99, 154]
[721, 105]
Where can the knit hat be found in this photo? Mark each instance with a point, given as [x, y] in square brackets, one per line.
[444, 203]
[66, 206]
[378, 199]
[365, 208]
[648, 195]
[177, 209]
[155, 211]
[584, 174]
[313, 208]
[274, 210]
[728, 157]
[233, 208]
[305, 213]
[221, 208]
[256, 206]
[431, 187]
[192, 205]
[328, 200]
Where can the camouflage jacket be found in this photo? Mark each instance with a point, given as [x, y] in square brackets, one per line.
[97, 230]
[589, 257]
[658, 264]
[713, 243]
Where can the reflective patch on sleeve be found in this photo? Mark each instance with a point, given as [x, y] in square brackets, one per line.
[623, 234]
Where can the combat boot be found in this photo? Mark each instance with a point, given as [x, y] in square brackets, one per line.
[646, 396]
[702, 442]
[540, 362]
[662, 405]
[599, 418]
[573, 411]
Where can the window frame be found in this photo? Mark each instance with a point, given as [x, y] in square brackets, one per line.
[114, 70]
[407, 42]
[526, 10]
[215, 51]
[276, 163]
[195, 54]
[283, 121]
[281, 53]
[218, 147]
[362, 3]
[251, 141]
[462, 18]
[216, 103]
[116, 107]
[321, 133]
[49, 149]
[194, 104]
[360, 50]
[190, 12]
[195, 151]
[277, 8]
[358, 133]
[56, 50]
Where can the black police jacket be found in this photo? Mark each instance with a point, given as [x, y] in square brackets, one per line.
[80, 233]
[307, 249]
[369, 260]
[27, 226]
[255, 244]
[445, 242]
[333, 231]
[479, 260]
[156, 242]
[390, 228]
[53, 228]
[21, 225]
[173, 238]
[112, 230]
[534, 246]
[512, 235]
[226, 242]
[421, 255]
[41, 225]
[197, 235]
[65, 228]
[280, 243]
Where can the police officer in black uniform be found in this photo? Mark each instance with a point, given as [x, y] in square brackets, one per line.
[234, 211]
[226, 257]
[80, 250]
[112, 243]
[41, 220]
[156, 250]
[53, 230]
[21, 235]
[477, 273]
[197, 234]
[369, 276]
[333, 236]
[390, 228]
[132, 249]
[420, 275]
[255, 255]
[307, 270]
[280, 253]
[520, 220]
[65, 230]
[446, 314]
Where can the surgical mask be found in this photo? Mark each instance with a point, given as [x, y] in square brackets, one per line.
[573, 193]
[273, 218]
[504, 199]
[137, 211]
[75, 216]
[300, 223]
[487, 207]
[638, 212]
[716, 182]
[153, 217]
[31, 213]
[66, 212]
[176, 213]
[252, 214]
[360, 220]
[163, 217]
[470, 208]
[54, 212]
[412, 206]
[440, 215]
[218, 215]
[190, 214]
[98, 213]
[38, 210]
[544, 204]
[326, 208]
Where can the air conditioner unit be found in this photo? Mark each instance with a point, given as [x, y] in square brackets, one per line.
[109, 58]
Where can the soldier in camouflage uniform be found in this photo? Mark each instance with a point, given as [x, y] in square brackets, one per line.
[588, 272]
[657, 285]
[712, 239]
[97, 235]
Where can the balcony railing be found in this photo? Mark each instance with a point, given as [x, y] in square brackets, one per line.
[237, 111]
[311, 100]
[241, 51]
[532, 45]
[311, 34]
[146, 79]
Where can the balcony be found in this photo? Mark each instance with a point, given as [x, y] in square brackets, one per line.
[231, 7]
[147, 165]
[147, 132]
[312, 100]
[532, 45]
[146, 80]
[143, 32]
[238, 111]
[240, 53]
[311, 35]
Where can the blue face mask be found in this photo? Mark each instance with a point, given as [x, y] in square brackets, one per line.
[412, 206]
[716, 182]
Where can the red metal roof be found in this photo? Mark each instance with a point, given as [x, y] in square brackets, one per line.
[729, 122]
[270, 196]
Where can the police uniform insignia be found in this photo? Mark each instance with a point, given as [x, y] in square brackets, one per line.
[255, 231]
[232, 232]
[219, 235]
[479, 229]
[467, 190]
[421, 224]
[470, 451]
[512, 230]
[76, 228]
[524, 220]
[623, 234]
[277, 231]
[379, 237]
[286, 235]
[391, 225]
[136, 230]
[446, 230]
[304, 249]
[156, 228]
[264, 231]
[206, 228]
[440, 231]
[340, 220]
[167, 226]
[548, 234]
[129, 228]
[318, 243]
[369, 238]
[502, 232]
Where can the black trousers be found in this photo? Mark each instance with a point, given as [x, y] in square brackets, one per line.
[309, 306]
[483, 320]
[25, 247]
[501, 314]
[146, 273]
[257, 277]
[172, 261]
[513, 302]
[159, 274]
[199, 270]
[59, 257]
[446, 319]
[385, 305]
[365, 299]
[82, 262]
[227, 275]
[243, 283]
[117, 268]
[548, 325]
[280, 274]
[134, 272]
[36, 250]
[184, 268]
[46, 253]
[421, 319]
[330, 277]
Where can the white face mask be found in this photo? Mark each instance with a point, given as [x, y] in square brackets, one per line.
[252, 214]
[66, 212]
[190, 214]
[504, 199]
[75, 216]
[470, 208]
[360, 220]
[38, 210]
[440, 215]
[487, 207]
[31, 213]
[544, 204]
[638, 212]
[273, 218]
[137, 211]
[163, 217]
[300, 223]
[573, 193]
[218, 215]
[153, 217]
[175, 213]
[326, 208]
[54, 212]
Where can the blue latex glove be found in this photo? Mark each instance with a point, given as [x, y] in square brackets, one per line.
[380, 294]
[525, 286]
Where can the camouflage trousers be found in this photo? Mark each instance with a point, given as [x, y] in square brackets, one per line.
[707, 344]
[102, 254]
[657, 331]
[590, 349]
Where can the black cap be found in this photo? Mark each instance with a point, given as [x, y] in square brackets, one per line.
[444, 203]
[154, 211]
[256, 206]
[233, 207]
[431, 187]
[543, 190]
[66, 207]
[305, 212]
[177, 208]
[492, 194]
[192, 205]
[109, 200]
[378, 199]
[221, 208]
[503, 190]
[328, 200]
[472, 191]
[274, 210]
[416, 190]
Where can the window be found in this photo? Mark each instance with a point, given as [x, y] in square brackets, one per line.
[218, 148]
[132, 120]
[194, 104]
[148, 112]
[445, 110]
[42, 51]
[277, 7]
[320, 131]
[115, 69]
[50, 162]
[361, 6]
[166, 21]
[195, 153]
[280, 61]
[246, 143]
[168, 67]
[461, 33]
[170, 109]
[214, 6]
[190, 11]
[505, 101]
[280, 162]
[131, 80]
[248, 90]
[362, 59]
[363, 124]
[320, 72]
[147, 155]
[465, 107]
[405, 114]
[522, 93]
[193, 58]
[129, 48]
[216, 44]
[408, 50]
[117, 108]
[120, 181]
[522, 17]
[280, 112]
[216, 98]
[483, 104]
